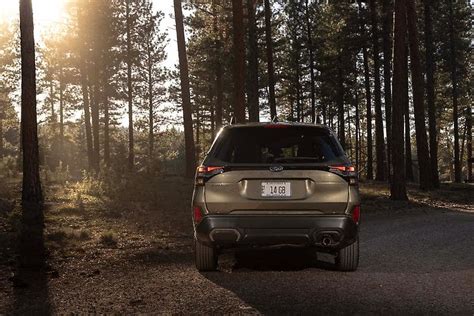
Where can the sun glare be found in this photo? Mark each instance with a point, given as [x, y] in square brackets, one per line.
[47, 13]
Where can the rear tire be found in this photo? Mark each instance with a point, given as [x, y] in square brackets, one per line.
[348, 258]
[205, 257]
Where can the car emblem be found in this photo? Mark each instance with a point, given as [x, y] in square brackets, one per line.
[276, 168]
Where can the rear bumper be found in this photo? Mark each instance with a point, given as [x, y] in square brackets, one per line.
[229, 231]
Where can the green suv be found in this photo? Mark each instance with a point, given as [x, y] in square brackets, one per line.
[276, 184]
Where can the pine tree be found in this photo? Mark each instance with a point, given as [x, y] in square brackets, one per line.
[239, 60]
[426, 182]
[185, 94]
[400, 73]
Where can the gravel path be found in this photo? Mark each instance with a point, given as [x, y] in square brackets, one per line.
[417, 260]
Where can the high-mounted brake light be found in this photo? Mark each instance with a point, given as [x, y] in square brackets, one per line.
[356, 214]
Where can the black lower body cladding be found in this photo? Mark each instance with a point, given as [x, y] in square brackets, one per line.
[329, 232]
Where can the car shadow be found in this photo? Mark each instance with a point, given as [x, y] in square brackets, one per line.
[278, 259]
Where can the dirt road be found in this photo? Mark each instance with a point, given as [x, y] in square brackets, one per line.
[415, 259]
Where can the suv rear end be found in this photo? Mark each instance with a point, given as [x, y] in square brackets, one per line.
[272, 184]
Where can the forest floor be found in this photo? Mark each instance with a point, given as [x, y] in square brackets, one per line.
[134, 255]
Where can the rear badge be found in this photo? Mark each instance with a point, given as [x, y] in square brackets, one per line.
[276, 168]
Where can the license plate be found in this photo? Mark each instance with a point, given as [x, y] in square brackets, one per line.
[276, 189]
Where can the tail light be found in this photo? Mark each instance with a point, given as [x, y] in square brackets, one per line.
[197, 214]
[356, 214]
[347, 172]
[204, 173]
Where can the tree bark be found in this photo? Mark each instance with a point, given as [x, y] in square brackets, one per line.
[454, 93]
[85, 96]
[430, 91]
[252, 84]
[400, 74]
[368, 95]
[408, 155]
[32, 194]
[314, 118]
[87, 116]
[131, 142]
[379, 133]
[151, 122]
[96, 124]
[426, 182]
[61, 113]
[1, 134]
[51, 93]
[218, 67]
[357, 129]
[340, 105]
[239, 60]
[387, 26]
[106, 123]
[185, 93]
[269, 51]
[469, 143]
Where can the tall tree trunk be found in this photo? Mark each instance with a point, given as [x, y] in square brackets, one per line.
[357, 129]
[426, 182]
[51, 93]
[218, 66]
[454, 93]
[408, 155]
[31, 193]
[469, 143]
[1, 134]
[151, 122]
[239, 60]
[61, 113]
[87, 115]
[269, 50]
[131, 142]
[309, 35]
[106, 123]
[185, 94]
[387, 26]
[340, 105]
[368, 95]
[96, 123]
[400, 74]
[252, 84]
[83, 71]
[299, 104]
[430, 91]
[379, 133]
[198, 132]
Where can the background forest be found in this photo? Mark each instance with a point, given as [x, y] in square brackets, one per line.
[108, 105]
[105, 115]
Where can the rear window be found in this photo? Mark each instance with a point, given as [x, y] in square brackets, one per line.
[283, 145]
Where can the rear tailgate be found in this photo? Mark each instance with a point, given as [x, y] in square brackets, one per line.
[312, 191]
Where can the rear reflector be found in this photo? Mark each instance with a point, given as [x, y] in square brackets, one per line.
[197, 214]
[356, 214]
